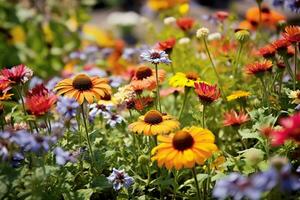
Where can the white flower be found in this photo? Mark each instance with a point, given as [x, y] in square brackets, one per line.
[169, 20]
[214, 36]
[184, 40]
[202, 32]
[123, 18]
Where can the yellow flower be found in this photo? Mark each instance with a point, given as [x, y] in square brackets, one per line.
[185, 148]
[184, 79]
[295, 95]
[164, 4]
[154, 123]
[184, 8]
[238, 94]
[72, 24]
[47, 32]
[18, 34]
[83, 87]
[92, 33]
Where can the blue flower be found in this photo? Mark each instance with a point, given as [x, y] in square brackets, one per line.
[278, 3]
[155, 56]
[17, 159]
[96, 72]
[98, 110]
[52, 83]
[67, 107]
[293, 5]
[119, 179]
[113, 119]
[236, 186]
[115, 81]
[62, 157]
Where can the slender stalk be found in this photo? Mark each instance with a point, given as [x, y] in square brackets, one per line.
[203, 116]
[214, 67]
[186, 94]
[280, 82]
[295, 61]
[172, 68]
[237, 60]
[23, 106]
[265, 91]
[196, 183]
[87, 134]
[289, 69]
[157, 88]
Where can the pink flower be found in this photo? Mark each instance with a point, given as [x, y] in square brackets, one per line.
[207, 93]
[19, 74]
[233, 118]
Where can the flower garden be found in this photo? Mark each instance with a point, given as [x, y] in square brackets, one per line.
[156, 106]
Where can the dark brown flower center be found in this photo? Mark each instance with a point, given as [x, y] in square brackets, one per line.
[107, 97]
[265, 10]
[153, 117]
[155, 55]
[192, 76]
[143, 72]
[183, 140]
[82, 82]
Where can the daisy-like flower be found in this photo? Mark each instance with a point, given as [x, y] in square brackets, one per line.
[113, 119]
[237, 95]
[292, 34]
[258, 68]
[155, 56]
[67, 107]
[207, 93]
[19, 74]
[97, 110]
[144, 78]
[120, 179]
[233, 118]
[83, 87]
[154, 123]
[185, 23]
[39, 101]
[140, 103]
[4, 87]
[295, 95]
[267, 51]
[184, 79]
[185, 148]
[281, 45]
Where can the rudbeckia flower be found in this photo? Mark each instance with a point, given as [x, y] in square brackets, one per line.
[292, 34]
[237, 95]
[233, 118]
[184, 79]
[258, 68]
[207, 93]
[144, 78]
[154, 123]
[185, 148]
[83, 87]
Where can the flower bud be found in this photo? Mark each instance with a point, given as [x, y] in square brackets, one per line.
[143, 160]
[242, 36]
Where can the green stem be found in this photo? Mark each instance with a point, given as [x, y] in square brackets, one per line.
[265, 91]
[186, 94]
[203, 117]
[196, 183]
[23, 106]
[172, 68]
[214, 68]
[237, 60]
[87, 134]
[157, 88]
[295, 61]
[289, 69]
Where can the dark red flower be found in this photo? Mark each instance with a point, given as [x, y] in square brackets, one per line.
[167, 45]
[39, 90]
[281, 45]
[18, 74]
[267, 51]
[207, 93]
[292, 34]
[258, 68]
[185, 23]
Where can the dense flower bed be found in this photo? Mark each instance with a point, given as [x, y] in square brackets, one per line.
[191, 114]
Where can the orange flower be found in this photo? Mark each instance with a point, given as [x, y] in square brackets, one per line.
[232, 118]
[207, 93]
[267, 51]
[185, 23]
[281, 45]
[4, 87]
[292, 34]
[167, 45]
[142, 103]
[83, 87]
[258, 68]
[144, 78]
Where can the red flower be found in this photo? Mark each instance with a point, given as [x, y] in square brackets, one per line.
[292, 34]
[167, 45]
[290, 130]
[232, 118]
[207, 93]
[39, 100]
[281, 45]
[258, 68]
[18, 74]
[4, 84]
[142, 103]
[185, 23]
[267, 51]
[221, 15]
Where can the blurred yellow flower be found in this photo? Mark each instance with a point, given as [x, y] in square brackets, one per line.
[18, 34]
[238, 94]
[72, 24]
[164, 4]
[184, 79]
[94, 34]
[184, 8]
[47, 32]
[295, 95]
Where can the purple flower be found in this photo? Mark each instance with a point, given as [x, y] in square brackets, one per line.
[155, 56]
[98, 110]
[34, 82]
[115, 81]
[113, 119]
[278, 3]
[293, 5]
[17, 159]
[96, 72]
[236, 186]
[52, 83]
[119, 179]
[67, 107]
[62, 157]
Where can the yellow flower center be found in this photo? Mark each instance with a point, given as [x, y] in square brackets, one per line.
[143, 72]
[192, 76]
[182, 140]
[82, 82]
[153, 117]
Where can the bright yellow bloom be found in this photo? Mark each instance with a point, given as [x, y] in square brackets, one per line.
[185, 148]
[184, 79]
[18, 34]
[92, 33]
[154, 123]
[295, 95]
[238, 94]
[164, 4]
